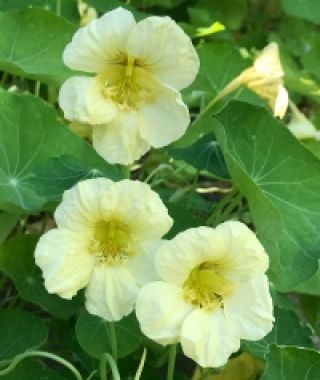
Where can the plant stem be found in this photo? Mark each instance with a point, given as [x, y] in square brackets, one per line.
[230, 87]
[215, 216]
[58, 7]
[42, 354]
[107, 358]
[141, 365]
[113, 340]
[4, 78]
[37, 88]
[125, 171]
[171, 362]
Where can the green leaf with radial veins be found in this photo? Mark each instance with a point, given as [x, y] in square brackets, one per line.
[29, 135]
[204, 154]
[57, 174]
[17, 262]
[32, 42]
[94, 335]
[281, 180]
[292, 363]
[29, 369]
[306, 9]
[20, 331]
[69, 8]
[287, 330]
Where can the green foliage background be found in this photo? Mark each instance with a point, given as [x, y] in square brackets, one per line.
[275, 179]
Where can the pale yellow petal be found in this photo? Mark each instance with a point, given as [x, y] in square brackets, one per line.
[206, 338]
[120, 141]
[111, 292]
[176, 258]
[65, 262]
[80, 208]
[165, 50]
[100, 43]
[81, 99]
[165, 119]
[137, 206]
[161, 311]
[249, 309]
[281, 102]
[245, 256]
[268, 62]
[142, 263]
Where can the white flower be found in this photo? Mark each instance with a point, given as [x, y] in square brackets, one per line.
[212, 293]
[133, 100]
[265, 78]
[105, 238]
[300, 126]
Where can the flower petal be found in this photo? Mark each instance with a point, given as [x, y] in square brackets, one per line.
[281, 102]
[161, 311]
[80, 207]
[268, 62]
[111, 292]
[165, 119]
[64, 261]
[207, 339]
[248, 309]
[165, 50]
[81, 100]
[100, 42]
[177, 257]
[245, 256]
[140, 208]
[119, 141]
[142, 264]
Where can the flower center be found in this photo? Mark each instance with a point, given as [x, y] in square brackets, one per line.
[127, 84]
[206, 287]
[111, 242]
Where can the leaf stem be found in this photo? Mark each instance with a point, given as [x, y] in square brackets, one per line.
[126, 171]
[17, 359]
[171, 362]
[113, 340]
[231, 198]
[107, 358]
[37, 88]
[58, 7]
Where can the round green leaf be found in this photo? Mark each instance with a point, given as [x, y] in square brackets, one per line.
[292, 363]
[93, 334]
[32, 42]
[31, 370]
[30, 133]
[20, 331]
[281, 180]
[287, 330]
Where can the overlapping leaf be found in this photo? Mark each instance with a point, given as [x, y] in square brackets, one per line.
[30, 134]
[281, 180]
[292, 363]
[94, 335]
[31, 44]
[20, 331]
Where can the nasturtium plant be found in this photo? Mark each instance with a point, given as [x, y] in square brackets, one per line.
[159, 189]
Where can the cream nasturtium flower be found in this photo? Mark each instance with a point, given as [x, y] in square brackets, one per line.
[265, 78]
[212, 293]
[105, 238]
[133, 99]
[300, 126]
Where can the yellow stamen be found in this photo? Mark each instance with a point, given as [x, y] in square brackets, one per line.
[111, 242]
[206, 287]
